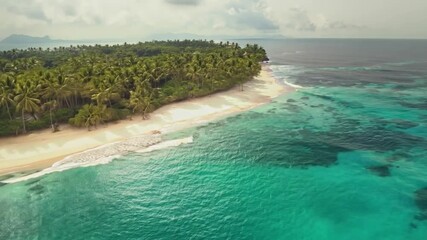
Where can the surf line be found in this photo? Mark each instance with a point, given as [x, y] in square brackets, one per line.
[293, 85]
[106, 153]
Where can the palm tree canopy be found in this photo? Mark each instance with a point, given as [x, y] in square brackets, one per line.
[100, 83]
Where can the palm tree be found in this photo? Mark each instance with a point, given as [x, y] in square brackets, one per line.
[26, 101]
[62, 88]
[6, 98]
[97, 115]
[141, 99]
[99, 97]
[90, 116]
[55, 87]
[51, 105]
[137, 102]
[148, 105]
[75, 86]
[194, 73]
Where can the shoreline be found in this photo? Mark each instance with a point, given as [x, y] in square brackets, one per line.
[40, 150]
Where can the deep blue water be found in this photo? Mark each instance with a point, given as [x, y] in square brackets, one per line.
[343, 157]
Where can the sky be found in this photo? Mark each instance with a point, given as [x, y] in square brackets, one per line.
[144, 19]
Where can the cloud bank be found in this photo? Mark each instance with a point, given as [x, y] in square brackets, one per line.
[94, 19]
[184, 2]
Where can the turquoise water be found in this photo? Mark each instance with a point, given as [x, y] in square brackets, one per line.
[337, 159]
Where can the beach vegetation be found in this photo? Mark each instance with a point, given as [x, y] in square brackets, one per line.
[86, 86]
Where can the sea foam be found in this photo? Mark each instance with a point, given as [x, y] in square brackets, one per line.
[106, 153]
[292, 84]
[167, 144]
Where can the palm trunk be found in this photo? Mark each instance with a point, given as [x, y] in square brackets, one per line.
[50, 115]
[75, 99]
[144, 113]
[67, 102]
[8, 111]
[23, 121]
[58, 100]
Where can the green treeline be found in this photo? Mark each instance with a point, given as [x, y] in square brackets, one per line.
[90, 85]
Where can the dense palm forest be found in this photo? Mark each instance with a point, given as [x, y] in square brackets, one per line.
[90, 85]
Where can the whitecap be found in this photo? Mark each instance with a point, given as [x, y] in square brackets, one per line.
[292, 84]
[167, 144]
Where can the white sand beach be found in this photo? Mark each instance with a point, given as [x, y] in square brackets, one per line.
[41, 149]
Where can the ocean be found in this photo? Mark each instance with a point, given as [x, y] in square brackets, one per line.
[344, 156]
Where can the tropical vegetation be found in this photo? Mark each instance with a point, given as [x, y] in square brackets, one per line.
[90, 85]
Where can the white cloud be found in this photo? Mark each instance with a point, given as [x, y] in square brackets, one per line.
[299, 20]
[184, 2]
[248, 15]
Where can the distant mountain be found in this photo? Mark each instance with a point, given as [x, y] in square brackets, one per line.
[174, 36]
[182, 36]
[20, 41]
[25, 39]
